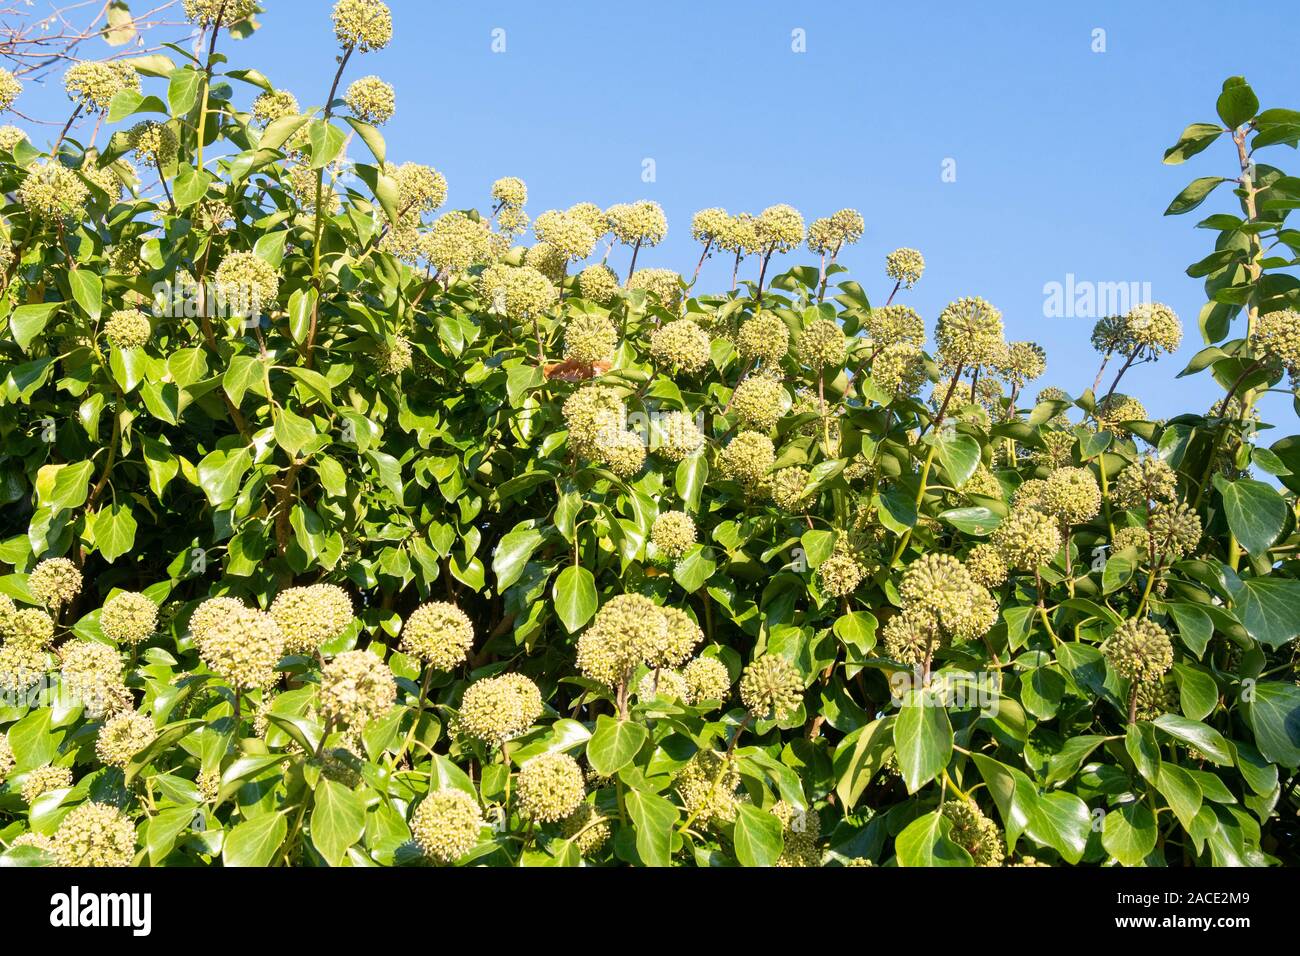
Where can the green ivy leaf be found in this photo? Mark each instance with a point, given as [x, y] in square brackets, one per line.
[757, 837]
[925, 842]
[1255, 512]
[338, 818]
[255, 842]
[922, 739]
[614, 744]
[575, 597]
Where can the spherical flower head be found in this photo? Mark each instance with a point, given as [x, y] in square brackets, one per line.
[10, 87]
[371, 100]
[779, 228]
[800, 831]
[1154, 327]
[93, 84]
[128, 329]
[155, 144]
[7, 760]
[211, 615]
[623, 451]
[664, 284]
[969, 333]
[571, 236]
[740, 235]
[891, 324]
[708, 224]
[1278, 334]
[420, 188]
[1111, 412]
[681, 343]
[240, 644]
[54, 582]
[1175, 530]
[355, 688]
[124, 736]
[1057, 450]
[747, 458]
[592, 215]
[684, 635]
[528, 293]
[394, 356]
[43, 780]
[247, 283]
[439, 634]
[21, 667]
[363, 25]
[10, 136]
[764, 338]
[598, 283]
[974, 832]
[446, 825]
[787, 488]
[589, 338]
[277, 104]
[1110, 335]
[301, 184]
[512, 221]
[829, 235]
[52, 192]
[585, 827]
[214, 214]
[899, 369]
[985, 566]
[30, 628]
[770, 687]
[840, 574]
[204, 13]
[706, 678]
[457, 242]
[759, 402]
[8, 612]
[707, 785]
[939, 583]
[128, 618]
[1135, 537]
[673, 533]
[983, 482]
[309, 616]
[1140, 650]
[1155, 698]
[636, 630]
[665, 683]
[95, 834]
[822, 345]
[547, 260]
[1027, 538]
[510, 191]
[677, 436]
[1023, 362]
[905, 266]
[589, 412]
[550, 787]
[640, 223]
[1029, 494]
[497, 709]
[1071, 496]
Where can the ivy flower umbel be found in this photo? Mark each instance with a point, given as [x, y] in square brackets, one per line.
[204, 13]
[155, 144]
[673, 533]
[707, 786]
[969, 333]
[371, 100]
[10, 136]
[905, 266]
[628, 630]
[747, 458]
[764, 338]
[93, 84]
[1154, 328]
[598, 283]
[1022, 362]
[52, 192]
[1027, 538]
[95, 834]
[779, 228]
[665, 683]
[128, 618]
[586, 828]
[457, 242]
[1071, 496]
[274, 105]
[128, 329]
[770, 687]
[1139, 650]
[681, 343]
[899, 369]
[10, 87]
[55, 582]
[242, 645]
[550, 787]
[589, 338]
[571, 236]
[496, 709]
[1175, 531]
[355, 688]
[706, 678]
[439, 634]
[43, 780]
[1278, 334]
[664, 284]
[30, 628]
[309, 616]
[446, 825]
[892, 324]
[640, 223]
[363, 25]
[822, 345]
[590, 412]
[124, 736]
[787, 488]
[974, 832]
[510, 191]
[247, 283]
[759, 402]
[676, 436]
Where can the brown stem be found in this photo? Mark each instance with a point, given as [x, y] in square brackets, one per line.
[703, 255]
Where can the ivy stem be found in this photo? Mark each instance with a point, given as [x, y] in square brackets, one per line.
[207, 83]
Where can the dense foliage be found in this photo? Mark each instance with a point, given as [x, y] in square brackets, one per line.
[344, 530]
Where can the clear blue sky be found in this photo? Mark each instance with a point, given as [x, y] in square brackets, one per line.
[1057, 148]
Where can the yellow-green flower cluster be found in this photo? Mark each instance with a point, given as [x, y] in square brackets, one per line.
[155, 144]
[779, 228]
[673, 533]
[628, 630]
[787, 488]
[547, 260]
[128, 618]
[1071, 496]
[394, 355]
[664, 284]
[969, 333]
[1153, 327]
[905, 266]
[309, 616]
[1111, 412]
[1057, 450]
[640, 223]
[822, 345]
[274, 105]
[93, 84]
[570, 235]
[204, 13]
[247, 283]
[592, 412]
[355, 688]
[764, 338]
[800, 830]
[1109, 335]
[420, 188]
[95, 834]
[510, 191]
[740, 235]
[840, 574]
[589, 338]
[707, 786]
[830, 234]
[665, 683]
[1022, 362]
[706, 678]
[550, 787]
[940, 586]
[709, 224]
[127, 329]
[43, 780]
[1027, 538]
[677, 436]
[586, 828]
[124, 736]
[439, 634]
[52, 191]
[446, 824]
[1155, 698]
[54, 582]
[684, 635]
[598, 283]
[1175, 531]
[363, 25]
[457, 242]
[302, 185]
[527, 293]
[10, 136]
[681, 343]
[10, 87]
[974, 832]
[1278, 334]
[7, 759]
[759, 402]
[371, 100]
[1147, 480]
[1140, 650]
[747, 458]
[496, 709]
[770, 687]
[985, 565]
[1135, 537]
[891, 324]
[899, 369]
[240, 644]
